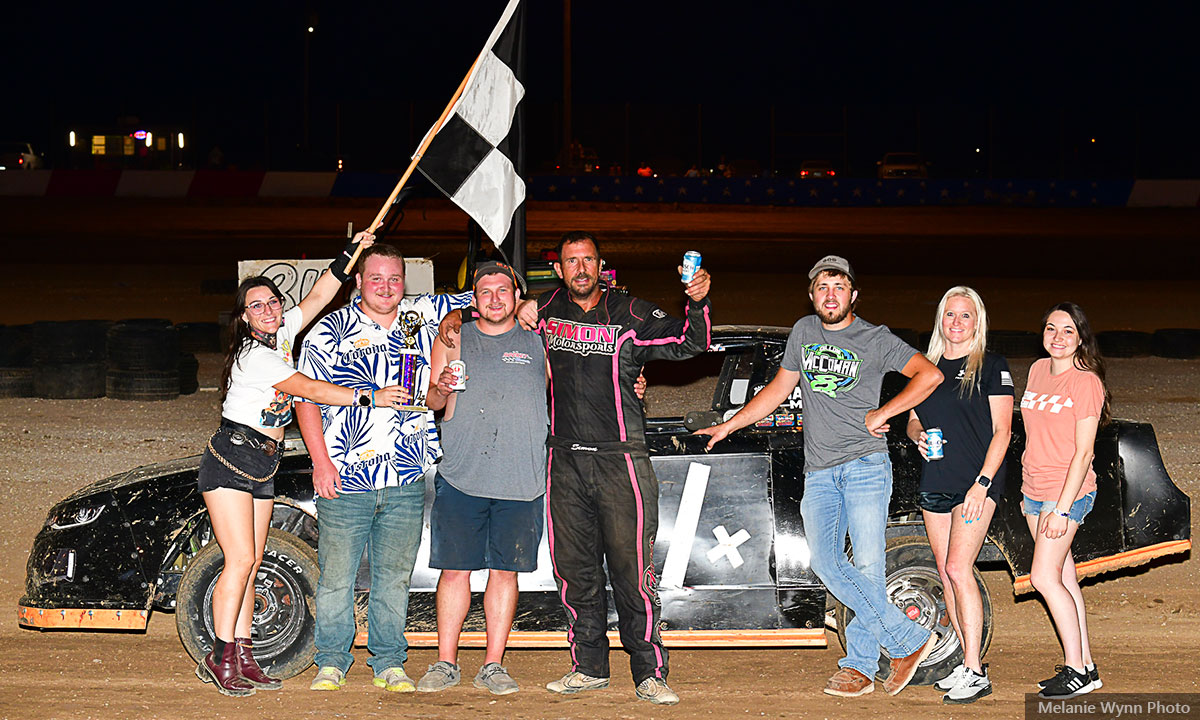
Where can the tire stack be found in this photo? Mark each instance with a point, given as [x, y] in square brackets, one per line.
[68, 359]
[16, 375]
[143, 360]
[195, 337]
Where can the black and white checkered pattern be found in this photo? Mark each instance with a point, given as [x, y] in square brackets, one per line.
[474, 155]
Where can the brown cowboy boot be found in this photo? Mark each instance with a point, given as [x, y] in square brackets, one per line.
[248, 667]
[224, 672]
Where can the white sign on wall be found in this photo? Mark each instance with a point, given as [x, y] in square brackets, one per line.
[296, 278]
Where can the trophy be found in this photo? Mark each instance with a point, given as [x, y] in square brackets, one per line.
[410, 360]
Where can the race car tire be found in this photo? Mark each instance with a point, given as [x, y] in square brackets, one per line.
[16, 382]
[284, 604]
[913, 585]
[1124, 343]
[143, 345]
[1181, 343]
[142, 384]
[1014, 343]
[68, 381]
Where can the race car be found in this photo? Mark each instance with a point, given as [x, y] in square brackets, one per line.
[732, 555]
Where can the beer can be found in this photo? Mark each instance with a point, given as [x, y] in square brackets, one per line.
[691, 263]
[459, 368]
[933, 438]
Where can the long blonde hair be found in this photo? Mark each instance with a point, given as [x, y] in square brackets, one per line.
[937, 343]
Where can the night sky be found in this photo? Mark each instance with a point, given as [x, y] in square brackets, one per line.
[667, 83]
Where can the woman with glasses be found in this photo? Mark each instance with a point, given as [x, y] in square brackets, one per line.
[237, 471]
[960, 488]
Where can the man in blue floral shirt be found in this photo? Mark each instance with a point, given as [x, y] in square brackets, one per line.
[369, 464]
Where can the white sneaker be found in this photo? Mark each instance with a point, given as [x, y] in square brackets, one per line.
[952, 679]
[971, 686]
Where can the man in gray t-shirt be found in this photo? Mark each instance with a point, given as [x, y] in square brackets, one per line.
[488, 508]
[839, 361]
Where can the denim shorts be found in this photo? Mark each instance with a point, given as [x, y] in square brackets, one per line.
[478, 533]
[252, 465]
[1079, 509]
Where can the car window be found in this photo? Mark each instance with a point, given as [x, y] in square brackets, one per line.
[901, 158]
[673, 389]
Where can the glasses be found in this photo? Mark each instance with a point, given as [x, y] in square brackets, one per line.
[258, 307]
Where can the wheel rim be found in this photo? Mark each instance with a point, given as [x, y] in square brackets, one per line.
[917, 591]
[280, 609]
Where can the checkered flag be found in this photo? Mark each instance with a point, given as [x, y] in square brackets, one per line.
[475, 154]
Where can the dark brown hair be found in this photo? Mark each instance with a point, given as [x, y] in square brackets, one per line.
[576, 236]
[239, 331]
[1087, 355]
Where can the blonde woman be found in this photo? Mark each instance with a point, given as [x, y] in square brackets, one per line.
[958, 492]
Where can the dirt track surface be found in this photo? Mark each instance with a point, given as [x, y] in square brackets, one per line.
[1145, 623]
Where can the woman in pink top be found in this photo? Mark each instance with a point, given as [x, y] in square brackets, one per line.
[1065, 402]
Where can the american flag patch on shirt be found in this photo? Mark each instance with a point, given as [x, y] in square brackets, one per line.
[1006, 378]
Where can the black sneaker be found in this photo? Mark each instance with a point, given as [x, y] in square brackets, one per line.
[1057, 671]
[1093, 675]
[1067, 684]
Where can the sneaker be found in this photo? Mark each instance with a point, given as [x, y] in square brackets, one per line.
[971, 686]
[904, 668]
[576, 682]
[848, 682]
[495, 680]
[394, 679]
[1093, 675]
[328, 678]
[952, 679]
[441, 675]
[656, 691]
[1067, 684]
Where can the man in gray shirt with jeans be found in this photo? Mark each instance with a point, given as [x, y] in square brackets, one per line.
[487, 513]
[839, 361]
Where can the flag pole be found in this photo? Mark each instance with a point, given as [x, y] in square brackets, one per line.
[383, 211]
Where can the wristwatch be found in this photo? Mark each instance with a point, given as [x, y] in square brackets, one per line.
[363, 398]
[984, 481]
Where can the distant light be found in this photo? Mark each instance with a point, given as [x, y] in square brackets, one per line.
[1093, 139]
[71, 138]
[140, 134]
[179, 138]
[339, 165]
[976, 149]
[149, 139]
[310, 28]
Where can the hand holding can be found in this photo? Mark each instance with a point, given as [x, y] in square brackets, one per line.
[936, 444]
[459, 368]
[691, 263]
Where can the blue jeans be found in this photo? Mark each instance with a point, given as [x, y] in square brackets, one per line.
[853, 497]
[387, 523]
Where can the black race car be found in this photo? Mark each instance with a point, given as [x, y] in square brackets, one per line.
[732, 558]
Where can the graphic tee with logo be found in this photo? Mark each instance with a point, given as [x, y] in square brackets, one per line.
[374, 448]
[495, 443]
[966, 423]
[841, 372]
[1050, 407]
[252, 398]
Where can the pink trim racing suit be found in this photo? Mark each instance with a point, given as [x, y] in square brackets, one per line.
[602, 493]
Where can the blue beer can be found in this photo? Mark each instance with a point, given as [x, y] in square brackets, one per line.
[691, 263]
[933, 438]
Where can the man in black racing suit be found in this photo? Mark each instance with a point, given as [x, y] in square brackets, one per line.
[603, 495]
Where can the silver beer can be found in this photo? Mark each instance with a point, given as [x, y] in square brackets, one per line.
[935, 441]
[691, 263]
[459, 368]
